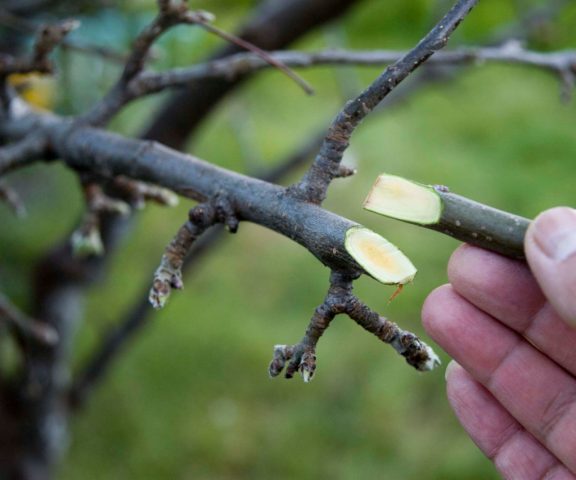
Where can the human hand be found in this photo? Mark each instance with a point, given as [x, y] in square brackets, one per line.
[512, 332]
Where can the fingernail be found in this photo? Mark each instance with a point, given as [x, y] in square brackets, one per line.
[453, 365]
[555, 233]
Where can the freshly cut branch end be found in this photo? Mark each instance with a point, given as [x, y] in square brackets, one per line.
[436, 208]
[380, 258]
[403, 199]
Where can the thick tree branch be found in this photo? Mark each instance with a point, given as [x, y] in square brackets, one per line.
[108, 154]
[315, 183]
[119, 336]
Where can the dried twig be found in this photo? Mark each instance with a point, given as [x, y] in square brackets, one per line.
[138, 193]
[184, 111]
[86, 239]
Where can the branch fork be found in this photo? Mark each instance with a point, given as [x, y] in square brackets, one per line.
[301, 357]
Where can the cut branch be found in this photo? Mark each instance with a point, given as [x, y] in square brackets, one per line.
[315, 183]
[434, 207]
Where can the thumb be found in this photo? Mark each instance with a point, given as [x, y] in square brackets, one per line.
[551, 253]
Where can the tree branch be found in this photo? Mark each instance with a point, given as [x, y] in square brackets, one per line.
[315, 183]
[171, 13]
[434, 207]
[9, 195]
[47, 39]
[340, 299]
[26, 326]
[23, 152]
[119, 336]
[241, 64]
[273, 25]
[16, 22]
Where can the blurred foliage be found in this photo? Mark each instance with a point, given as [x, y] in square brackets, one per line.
[192, 399]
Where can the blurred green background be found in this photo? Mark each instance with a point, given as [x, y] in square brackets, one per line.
[191, 398]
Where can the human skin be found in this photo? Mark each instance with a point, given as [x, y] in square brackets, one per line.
[511, 330]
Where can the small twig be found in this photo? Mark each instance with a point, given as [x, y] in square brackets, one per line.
[47, 39]
[20, 24]
[86, 240]
[265, 56]
[12, 199]
[315, 183]
[171, 13]
[25, 325]
[168, 276]
[340, 299]
[241, 64]
[138, 193]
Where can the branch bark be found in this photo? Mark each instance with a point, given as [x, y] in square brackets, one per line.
[240, 64]
[315, 183]
[434, 207]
